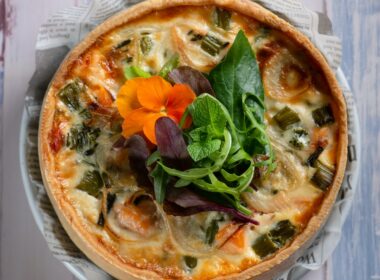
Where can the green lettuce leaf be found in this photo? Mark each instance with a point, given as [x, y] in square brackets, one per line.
[131, 72]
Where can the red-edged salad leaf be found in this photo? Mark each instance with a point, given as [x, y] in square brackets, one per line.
[138, 154]
[171, 144]
[184, 202]
[195, 79]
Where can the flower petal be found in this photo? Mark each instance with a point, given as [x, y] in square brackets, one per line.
[126, 100]
[150, 127]
[179, 97]
[135, 120]
[152, 94]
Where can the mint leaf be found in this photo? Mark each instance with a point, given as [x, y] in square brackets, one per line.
[209, 119]
[202, 150]
[200, 134]
[207, 111]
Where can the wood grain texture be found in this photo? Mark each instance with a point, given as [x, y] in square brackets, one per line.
[24, 253]
[357, 23]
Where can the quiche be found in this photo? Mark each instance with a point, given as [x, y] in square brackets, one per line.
[193, 139]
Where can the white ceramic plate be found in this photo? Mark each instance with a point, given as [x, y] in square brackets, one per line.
[31, 188]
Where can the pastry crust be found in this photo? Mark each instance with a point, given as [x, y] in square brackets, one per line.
[93, 247]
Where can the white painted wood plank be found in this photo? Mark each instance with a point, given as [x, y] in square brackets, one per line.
[314, 5]
[24, 253]
[358, 24]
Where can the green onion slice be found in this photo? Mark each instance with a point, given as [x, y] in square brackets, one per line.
[323, 116]
[286, 117]
[222, 18]
[213, 45]
[323, 177]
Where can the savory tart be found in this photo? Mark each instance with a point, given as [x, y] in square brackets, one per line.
[193, 139]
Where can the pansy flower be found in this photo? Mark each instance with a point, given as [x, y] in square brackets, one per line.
[141, 101]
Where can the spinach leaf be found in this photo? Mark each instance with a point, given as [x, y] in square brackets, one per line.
[238, 86]
[237, 74]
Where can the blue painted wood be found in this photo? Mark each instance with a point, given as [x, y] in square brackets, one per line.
[357, 23]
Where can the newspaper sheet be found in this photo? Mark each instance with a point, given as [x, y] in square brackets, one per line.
[65, 29]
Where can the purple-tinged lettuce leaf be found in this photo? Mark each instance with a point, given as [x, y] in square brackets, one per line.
[138, 154]
[184, 202]
[171, 144]
[195, 79]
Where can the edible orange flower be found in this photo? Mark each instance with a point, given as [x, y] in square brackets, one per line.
[141, 101]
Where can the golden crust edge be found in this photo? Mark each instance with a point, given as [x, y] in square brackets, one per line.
[89, 244]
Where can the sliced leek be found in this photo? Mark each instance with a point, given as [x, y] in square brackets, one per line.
[213, 45]
[69, 95]
[273, 240]
[91, 183]
[300, 138]
[314, 156]
[222, 18]
[264, 246]
[286, 117]
[146, 44]
[323, 116]
[323, 177]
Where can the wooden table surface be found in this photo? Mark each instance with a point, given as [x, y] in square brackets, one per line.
[24, 253]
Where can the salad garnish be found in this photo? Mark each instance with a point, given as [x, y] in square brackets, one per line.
[208, 132]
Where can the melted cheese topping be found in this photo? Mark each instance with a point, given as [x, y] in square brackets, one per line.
[146, 236]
